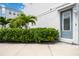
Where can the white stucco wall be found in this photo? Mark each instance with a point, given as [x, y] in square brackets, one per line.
[11, 15]
[4, 11]
[49, 20]
[75, 25]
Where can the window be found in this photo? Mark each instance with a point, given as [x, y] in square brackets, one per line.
[10, 13]
[66, 20]
[14, 14]
[67, 24]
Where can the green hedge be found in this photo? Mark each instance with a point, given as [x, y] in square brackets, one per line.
[31, 35]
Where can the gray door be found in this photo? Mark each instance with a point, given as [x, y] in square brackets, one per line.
[66, 24]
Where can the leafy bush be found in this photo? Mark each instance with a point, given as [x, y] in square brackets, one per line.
[30, 35]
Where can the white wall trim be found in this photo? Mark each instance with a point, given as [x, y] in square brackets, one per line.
[66, 40]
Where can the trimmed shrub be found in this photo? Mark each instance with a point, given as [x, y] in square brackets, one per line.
[30, 35]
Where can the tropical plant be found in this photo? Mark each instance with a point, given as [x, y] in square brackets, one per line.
[22, 20]
[15, 23]
[30, 19]
[3, 21]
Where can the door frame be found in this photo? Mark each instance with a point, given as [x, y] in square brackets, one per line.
[66, 39]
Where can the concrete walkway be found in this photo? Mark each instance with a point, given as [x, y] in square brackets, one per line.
[58, 49]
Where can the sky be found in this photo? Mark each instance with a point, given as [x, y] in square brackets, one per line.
[17, 6]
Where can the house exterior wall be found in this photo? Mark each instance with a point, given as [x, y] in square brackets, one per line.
[75, 25]
[78, 20]
[4, 11]
[8, 11]
[47, 19]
